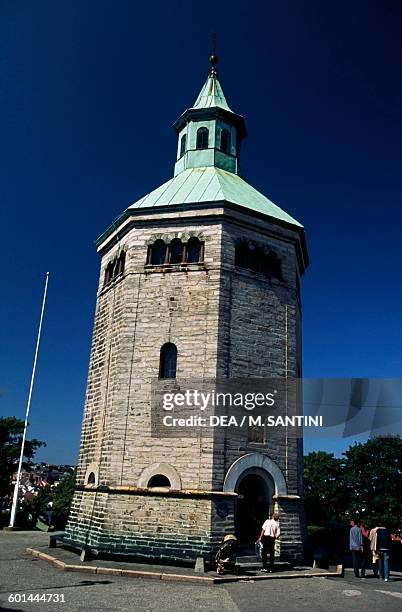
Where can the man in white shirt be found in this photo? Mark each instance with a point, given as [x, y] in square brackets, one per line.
[270, 532]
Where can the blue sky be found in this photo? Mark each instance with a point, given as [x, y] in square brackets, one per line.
[89, 91]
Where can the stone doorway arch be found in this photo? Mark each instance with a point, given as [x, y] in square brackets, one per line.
[257, 480]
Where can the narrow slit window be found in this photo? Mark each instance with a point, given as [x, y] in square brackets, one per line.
[225, 141]
[183, 142]
[168, 361]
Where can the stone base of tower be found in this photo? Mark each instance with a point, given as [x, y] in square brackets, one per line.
[169, 526]
[293, 528]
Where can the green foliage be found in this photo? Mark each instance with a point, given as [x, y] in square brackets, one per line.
[324, 491]
[373, 480]
[11, 430]
[40, 501]
[365, 483]
[62, 498]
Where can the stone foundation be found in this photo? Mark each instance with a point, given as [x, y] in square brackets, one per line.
[165, 526]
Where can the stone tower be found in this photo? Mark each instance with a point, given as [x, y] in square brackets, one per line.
[198, 279]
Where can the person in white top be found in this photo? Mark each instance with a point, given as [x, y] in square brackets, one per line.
[270, 532]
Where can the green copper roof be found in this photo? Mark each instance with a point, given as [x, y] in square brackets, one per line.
[209, 185]
[211, 95]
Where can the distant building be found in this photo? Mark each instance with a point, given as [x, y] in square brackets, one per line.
[199, 279]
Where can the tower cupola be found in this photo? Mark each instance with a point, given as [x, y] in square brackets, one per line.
[209, 132]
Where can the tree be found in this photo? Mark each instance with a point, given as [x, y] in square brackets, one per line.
[366, 484]
[11, 430]
[325, 497]
[62, 498]
[373, 478]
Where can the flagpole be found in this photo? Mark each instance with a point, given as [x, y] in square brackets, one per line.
[17, 484]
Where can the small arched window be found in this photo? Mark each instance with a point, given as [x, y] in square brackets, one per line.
[273, 266]
[115, 267]
[194, 250]
[168, 361]
[176, 251]
[183, 145]
[109, 272]
[243, 256]
[225, 141]
[202, 138]
[121, 260]
[159, 480]
[91, 479]
[158, 253]
[258, 259]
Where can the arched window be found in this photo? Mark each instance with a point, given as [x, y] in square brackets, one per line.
[225, 141]
[109, 272]
[158, 253]
[176, 251]
[258, 259]
[91, 479]
[168, 361]
[159, 480]
[121, 260]
[194, 250]
[115, 267]
[183, 145]
[202, 138]
[273, 266]
[242, 256]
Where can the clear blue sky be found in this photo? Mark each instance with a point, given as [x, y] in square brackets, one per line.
[89, 91]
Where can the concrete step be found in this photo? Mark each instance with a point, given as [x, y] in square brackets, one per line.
[253, 562]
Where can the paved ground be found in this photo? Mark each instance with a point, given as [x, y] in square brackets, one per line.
[22, 574]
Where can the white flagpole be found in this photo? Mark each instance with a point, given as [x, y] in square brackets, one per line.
[17, 484]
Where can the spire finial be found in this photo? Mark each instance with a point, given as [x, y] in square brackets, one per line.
[213, 57]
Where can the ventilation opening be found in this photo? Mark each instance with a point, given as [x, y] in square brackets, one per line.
[91, 479]
[159, 480]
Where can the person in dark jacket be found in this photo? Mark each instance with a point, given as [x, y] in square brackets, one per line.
[383, 547]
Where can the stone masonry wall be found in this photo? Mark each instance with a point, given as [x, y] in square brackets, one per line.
[135, 316]
[222, 320]
[148, 526]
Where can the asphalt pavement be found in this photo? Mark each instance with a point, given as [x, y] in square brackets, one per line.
[23, 577]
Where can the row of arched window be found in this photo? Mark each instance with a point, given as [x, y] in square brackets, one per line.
[248, 256]
[257, 259]
[157, 480]
[115, 267]
[175, 252]
[202, 141]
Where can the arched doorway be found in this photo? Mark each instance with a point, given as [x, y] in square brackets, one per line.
[255, 490]
[256, 478]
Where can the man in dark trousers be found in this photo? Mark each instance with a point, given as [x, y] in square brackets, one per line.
[383, 546]
[270, 532]
[356, 546]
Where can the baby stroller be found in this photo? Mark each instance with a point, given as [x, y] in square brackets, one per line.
[225, 558]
